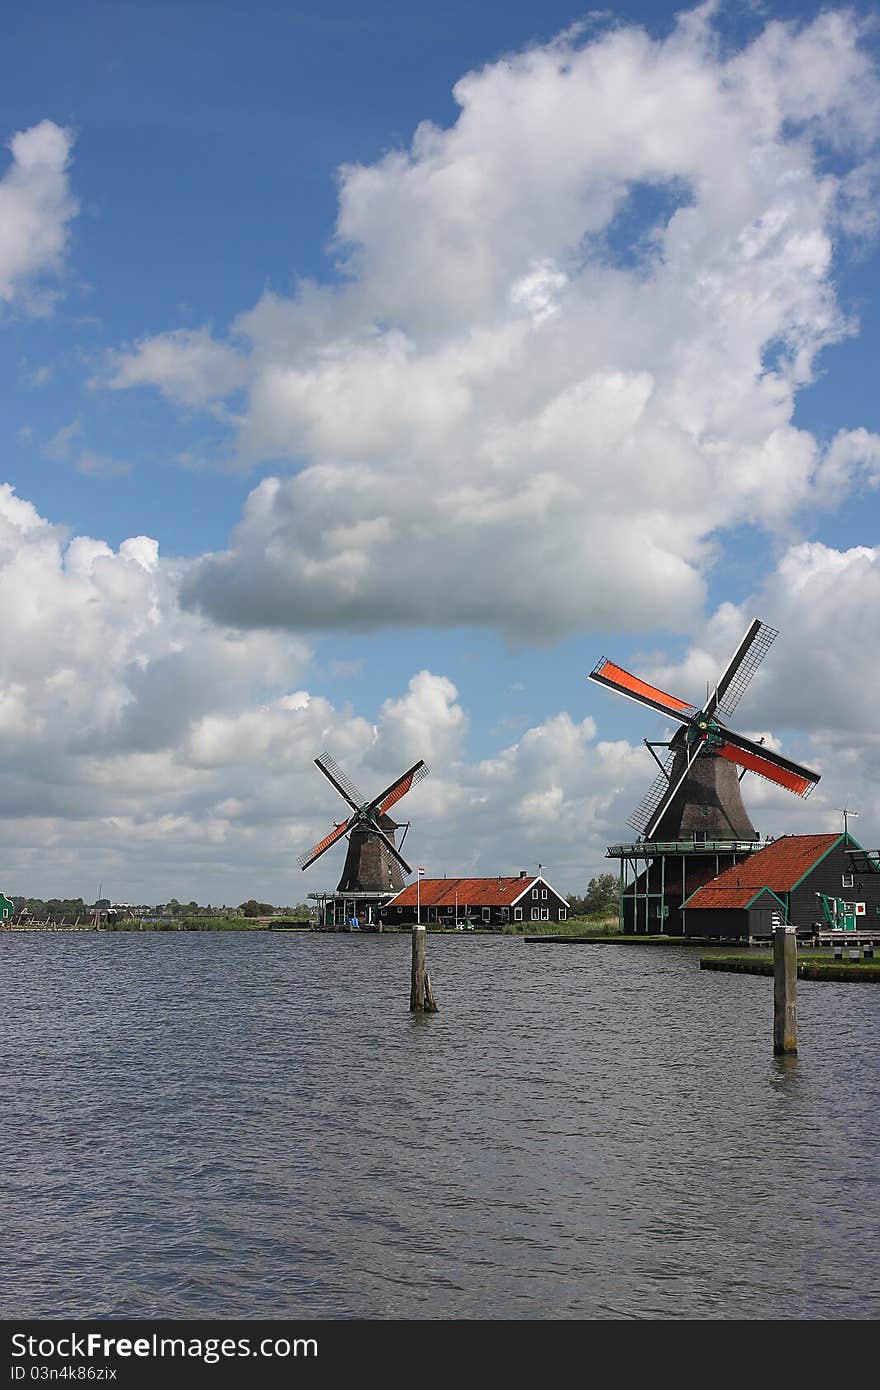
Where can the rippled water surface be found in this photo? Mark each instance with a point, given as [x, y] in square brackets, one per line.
[253, 1125]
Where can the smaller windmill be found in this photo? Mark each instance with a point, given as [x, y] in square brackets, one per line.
[709, 786]
[373, 863]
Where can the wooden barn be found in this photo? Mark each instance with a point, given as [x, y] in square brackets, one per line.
[778, 885]
[477, 902]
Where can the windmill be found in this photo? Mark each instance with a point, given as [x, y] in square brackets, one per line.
[373, 863]
[697, 787]
[691, 821]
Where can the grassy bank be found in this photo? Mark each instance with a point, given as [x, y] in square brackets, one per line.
[575, 926]
[811, 966]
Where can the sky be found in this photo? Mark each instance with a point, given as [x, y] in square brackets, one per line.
[368, 373]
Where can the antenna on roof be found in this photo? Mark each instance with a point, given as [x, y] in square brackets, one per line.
[845, 811]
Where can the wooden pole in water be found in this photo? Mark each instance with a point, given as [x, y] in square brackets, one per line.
[784, 991]
[421, 995]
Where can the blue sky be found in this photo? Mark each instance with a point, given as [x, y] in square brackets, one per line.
[470, 321]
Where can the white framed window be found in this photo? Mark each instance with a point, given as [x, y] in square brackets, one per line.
[487, 914]
[517, 914]
[846, 880]
[563, 914]
[536, 914]
[543, 892]
[534, 892]
[545, 914]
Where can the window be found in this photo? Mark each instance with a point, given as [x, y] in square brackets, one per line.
[534, 892]
[846, 880]
[487, 914]
[545, 914]
[517, 914]
[536, 914]
[563, 914]
[543, 892]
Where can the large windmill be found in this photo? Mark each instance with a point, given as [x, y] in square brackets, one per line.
[694, 809]
[374, 866]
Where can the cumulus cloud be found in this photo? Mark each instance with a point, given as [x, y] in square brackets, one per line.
[36, 207]
[149, 749]
[562, 354]
[814, 696]
[187, 366]
[162, 755]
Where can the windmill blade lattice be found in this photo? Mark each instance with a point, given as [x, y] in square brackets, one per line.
[364, 824]
[702, 733]
[305, 860]
[634, 688]
[392, 794]
[341, 781]
[771, 766]
[738, 676]
[691, 755]
[644, 812]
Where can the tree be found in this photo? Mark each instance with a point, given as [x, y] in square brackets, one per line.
[601, 896]
[254, 909]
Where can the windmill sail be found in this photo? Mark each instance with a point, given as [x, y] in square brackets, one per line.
[321, 848]
[392, 794]
[772, 766]
[373, 863]
[735, 681]
[687, 757]
[702, 797]
[343, 784]
[644, 812]
[625, 683]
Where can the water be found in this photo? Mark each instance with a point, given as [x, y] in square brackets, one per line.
[252, 1125]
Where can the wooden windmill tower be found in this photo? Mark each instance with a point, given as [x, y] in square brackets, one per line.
[692, 821]
[374, 866]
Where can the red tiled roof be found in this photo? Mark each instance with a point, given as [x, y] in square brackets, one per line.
[476, 892]
[710, 896]
[778, 866]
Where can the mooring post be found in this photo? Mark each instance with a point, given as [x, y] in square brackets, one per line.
[421, 995]
[784, 990]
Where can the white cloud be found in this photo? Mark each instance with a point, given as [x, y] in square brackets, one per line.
[36, 206]
[165, 756]
[537, 402]
[187, 365]
[814, 696]
[63, 441]
[67, 444]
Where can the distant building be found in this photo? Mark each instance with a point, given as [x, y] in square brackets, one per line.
[778, 885]
[478, 901]
[6, 908]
